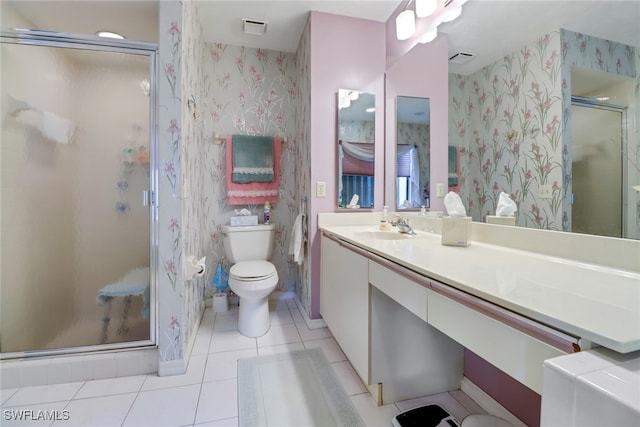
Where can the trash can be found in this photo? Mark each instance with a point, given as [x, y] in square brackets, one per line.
[425, 416]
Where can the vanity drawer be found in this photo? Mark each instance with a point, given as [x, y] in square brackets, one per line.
[512, 351]
[406, 292]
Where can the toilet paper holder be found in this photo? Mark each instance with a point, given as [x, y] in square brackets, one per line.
[194, 267]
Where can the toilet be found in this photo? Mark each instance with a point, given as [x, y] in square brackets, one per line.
[252, 277]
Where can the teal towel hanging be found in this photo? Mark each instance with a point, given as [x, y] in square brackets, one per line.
[252, 159]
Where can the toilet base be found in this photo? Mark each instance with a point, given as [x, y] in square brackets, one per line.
[253, 317]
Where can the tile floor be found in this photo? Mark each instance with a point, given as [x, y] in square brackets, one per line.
[206, 394]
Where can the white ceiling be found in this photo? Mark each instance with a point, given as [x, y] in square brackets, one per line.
[222, 20]
[488, 28]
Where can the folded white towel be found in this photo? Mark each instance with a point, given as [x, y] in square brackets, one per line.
[56, 128]
[296, 246]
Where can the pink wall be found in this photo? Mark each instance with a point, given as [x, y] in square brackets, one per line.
[518, 399]
[422, 72]
[346, 53]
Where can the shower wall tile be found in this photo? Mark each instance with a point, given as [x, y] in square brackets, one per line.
[104, 366]
[59, 371]
[127, 363]
[67, 369]
[37, 374]
[10, 375]
[82, 368]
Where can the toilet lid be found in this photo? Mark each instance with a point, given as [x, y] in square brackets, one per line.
[252, 270]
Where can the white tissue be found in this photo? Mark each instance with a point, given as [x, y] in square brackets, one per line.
[454, 206]
[242, 212]
[506, 206]
[354, 202]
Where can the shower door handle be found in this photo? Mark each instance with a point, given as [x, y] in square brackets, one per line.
[147, 197]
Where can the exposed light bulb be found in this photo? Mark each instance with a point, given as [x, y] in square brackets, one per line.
[425, 8]
[429, 36]
[405, 25]
[453, 14]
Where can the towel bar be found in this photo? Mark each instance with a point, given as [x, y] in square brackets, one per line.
[219, 140]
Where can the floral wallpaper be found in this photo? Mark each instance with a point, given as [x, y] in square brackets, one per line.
[356, 131]
[193, 164]
[170, 226]
[509, 119]
[303, 153]
[249, 91]
[181, 175]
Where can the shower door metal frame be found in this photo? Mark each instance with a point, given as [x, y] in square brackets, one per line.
[86, 42]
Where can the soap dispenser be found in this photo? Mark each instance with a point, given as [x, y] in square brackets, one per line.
[384, 219]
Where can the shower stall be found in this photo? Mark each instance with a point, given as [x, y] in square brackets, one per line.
[78, 179]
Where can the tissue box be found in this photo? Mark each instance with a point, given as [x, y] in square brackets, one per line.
[456, 230]
[243, 220]
[502, 220]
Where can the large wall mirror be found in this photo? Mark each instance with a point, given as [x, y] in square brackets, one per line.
[356, 146]
[518, 127]
[412, 152]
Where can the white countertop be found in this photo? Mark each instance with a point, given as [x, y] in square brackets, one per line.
[596, 303]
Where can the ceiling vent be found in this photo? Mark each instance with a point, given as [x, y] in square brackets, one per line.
[461, 57]
[254, 27]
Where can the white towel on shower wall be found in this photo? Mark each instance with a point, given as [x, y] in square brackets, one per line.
[296, 246]
[56, 128]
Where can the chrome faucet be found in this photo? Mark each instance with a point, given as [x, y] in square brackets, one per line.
[403, 226]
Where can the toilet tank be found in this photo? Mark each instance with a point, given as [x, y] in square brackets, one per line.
[249, 243]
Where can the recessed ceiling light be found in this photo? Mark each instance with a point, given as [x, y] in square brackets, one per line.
[109, 34]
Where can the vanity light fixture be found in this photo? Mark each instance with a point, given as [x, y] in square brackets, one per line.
[425, 8]
[109, 34]
[405, 24]
[370, 110]
[432, 12]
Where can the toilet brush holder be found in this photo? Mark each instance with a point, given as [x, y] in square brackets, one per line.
[220, 303]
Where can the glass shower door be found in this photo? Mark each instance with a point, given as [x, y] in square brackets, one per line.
[75, 162]
[597, 170]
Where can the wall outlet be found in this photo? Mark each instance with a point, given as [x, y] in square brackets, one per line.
[439, 190]
[321, 189]
[545, 192]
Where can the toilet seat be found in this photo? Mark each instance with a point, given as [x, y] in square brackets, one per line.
[249, 271]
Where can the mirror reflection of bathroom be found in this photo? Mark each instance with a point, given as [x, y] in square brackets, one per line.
[356, 142]
[600, 167]
[412, 151]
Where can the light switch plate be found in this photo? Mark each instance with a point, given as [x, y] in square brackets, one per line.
[439, 190]
[545, 192]
[321, 189]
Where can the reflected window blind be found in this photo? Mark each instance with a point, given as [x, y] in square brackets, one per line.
[403, 167]
[353, 166]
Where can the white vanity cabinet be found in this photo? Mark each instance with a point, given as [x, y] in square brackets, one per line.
[409, 357]
[344, 302]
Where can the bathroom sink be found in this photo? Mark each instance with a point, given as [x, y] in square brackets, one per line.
[382, 235]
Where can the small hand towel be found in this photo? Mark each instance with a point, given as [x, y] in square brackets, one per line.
[296, 246]
[253, 193]
[252, 159]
